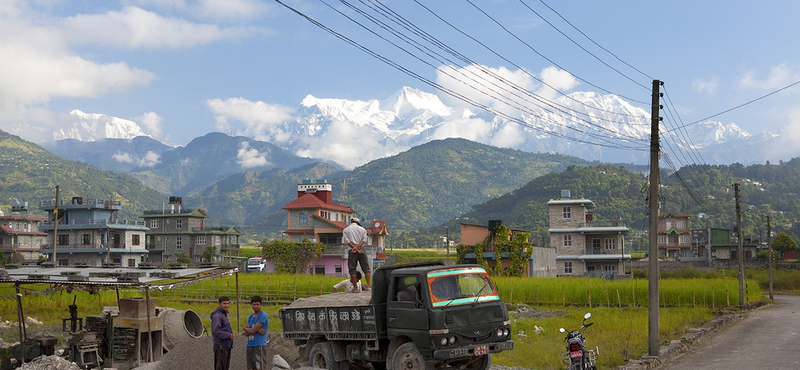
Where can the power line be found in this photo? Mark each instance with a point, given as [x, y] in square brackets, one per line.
[743, 104]
[581, 46]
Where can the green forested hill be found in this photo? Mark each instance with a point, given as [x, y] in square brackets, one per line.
[253, 200]
[443, 179]
[622, 195]
[419, 188]
[29, 173]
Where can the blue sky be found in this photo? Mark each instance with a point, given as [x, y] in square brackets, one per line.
[181, 69]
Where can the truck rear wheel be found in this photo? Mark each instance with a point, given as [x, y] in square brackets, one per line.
[407, 357]
[321, 357]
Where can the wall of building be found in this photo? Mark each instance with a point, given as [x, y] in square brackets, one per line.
[557, 220]
[542, 262]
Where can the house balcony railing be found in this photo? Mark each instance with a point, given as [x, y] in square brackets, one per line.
[602, 224]
[603, 251]
[49, 224]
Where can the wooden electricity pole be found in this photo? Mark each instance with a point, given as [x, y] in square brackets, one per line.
[654, 341]
[740, 250]
[769, 250]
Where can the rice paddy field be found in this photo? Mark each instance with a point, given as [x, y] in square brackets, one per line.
[619, 307]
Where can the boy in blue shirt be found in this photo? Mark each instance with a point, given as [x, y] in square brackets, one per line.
[256, 332]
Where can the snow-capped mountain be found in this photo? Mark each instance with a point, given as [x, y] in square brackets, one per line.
[588, 125]
[96, 126]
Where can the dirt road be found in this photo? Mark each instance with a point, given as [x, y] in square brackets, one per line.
[765, 339]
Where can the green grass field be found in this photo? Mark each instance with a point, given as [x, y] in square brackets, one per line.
[618, 307]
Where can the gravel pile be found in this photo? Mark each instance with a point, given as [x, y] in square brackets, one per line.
[49, 363]
[199, 354]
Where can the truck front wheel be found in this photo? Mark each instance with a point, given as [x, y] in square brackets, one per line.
[407, 357]
[321, 357]
[480, 363]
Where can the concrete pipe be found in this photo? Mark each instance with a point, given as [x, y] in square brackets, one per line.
[180, 326]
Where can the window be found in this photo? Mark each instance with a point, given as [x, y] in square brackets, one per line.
[86, 239]
[135, 240]
[303, 217]
[201, 240]
[63, 239]
[338, 269]
[178, 224]
[568, 267]
[590, 268]
[567, 240]
[682, 239]
[567, 212]
[596, 245]
[154, 224]
[178, 243]
[680, 224]
[609, 268]
[662, 239]
[63, 262]
[611, 243]
[319, 270]
[325, 214]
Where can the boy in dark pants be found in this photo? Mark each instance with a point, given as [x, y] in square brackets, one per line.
[222, 334]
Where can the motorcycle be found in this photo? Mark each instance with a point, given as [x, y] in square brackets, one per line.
[577, 357]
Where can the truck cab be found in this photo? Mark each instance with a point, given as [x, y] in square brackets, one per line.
[446, 315]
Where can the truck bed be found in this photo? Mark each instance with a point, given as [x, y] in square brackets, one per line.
[334, 316]
[332, 300]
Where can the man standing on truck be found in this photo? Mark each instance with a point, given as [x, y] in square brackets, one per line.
[355, 237]
[256, 332]
[223, 334]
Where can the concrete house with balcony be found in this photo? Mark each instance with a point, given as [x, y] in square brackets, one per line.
[674, 237]
[19, 234]
[314, 216]
[175, 229]
[585, 247]
[88, 232]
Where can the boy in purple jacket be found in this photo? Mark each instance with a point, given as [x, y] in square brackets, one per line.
[222, 334]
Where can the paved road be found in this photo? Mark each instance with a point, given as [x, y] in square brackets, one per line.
[765, 339]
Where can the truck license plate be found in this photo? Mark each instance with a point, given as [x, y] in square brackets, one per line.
[575, 354]
[481, 350]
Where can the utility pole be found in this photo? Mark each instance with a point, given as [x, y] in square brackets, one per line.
[740, 250]
[769, 250]
[55, 228]
[654, 341]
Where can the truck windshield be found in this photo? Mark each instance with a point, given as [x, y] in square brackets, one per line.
[461, 286]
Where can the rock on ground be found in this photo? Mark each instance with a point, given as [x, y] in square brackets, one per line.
[49, 363]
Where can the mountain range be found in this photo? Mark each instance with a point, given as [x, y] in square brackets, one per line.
[595, 127]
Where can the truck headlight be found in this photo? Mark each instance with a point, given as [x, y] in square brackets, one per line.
[500, 332]
[452, 339]
[506, 332]
[444, 341]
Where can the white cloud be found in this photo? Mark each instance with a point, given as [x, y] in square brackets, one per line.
[135, 28]
[151, 122]
[150, 159]
[489, 86]
[708, 87]
[260, 120]
[250, 157]
[779, 76]
[338, 144]
[232, 8]
[789, 137]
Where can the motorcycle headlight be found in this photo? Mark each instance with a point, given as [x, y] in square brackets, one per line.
[506, 332]
[452, 339]
[444, 341]
[500, 332]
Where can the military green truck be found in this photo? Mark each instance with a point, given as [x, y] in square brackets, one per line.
[419, 316]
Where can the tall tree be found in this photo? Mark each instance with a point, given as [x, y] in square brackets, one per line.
[783, 242]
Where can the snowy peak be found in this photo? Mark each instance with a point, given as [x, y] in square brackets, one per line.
[94, 126]
[408, 101]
